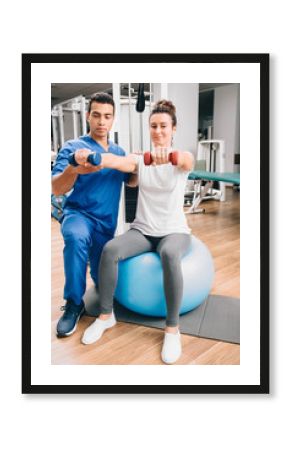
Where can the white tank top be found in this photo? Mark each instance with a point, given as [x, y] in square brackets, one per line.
[160, 200]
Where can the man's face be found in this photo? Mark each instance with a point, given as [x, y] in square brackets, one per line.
[100, 119]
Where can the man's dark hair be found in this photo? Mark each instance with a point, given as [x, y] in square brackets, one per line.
[101, 97]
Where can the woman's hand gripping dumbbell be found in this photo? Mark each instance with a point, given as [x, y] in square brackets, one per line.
[160, 156]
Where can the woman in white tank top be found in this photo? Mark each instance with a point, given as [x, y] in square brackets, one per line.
[160, 225]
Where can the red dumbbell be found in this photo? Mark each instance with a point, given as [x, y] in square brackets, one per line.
[173, 158]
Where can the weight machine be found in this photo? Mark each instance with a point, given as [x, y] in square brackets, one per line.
[68, 121]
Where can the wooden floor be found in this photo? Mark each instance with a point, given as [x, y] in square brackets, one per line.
[128, 344]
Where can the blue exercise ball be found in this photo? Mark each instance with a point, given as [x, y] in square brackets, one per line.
[140, 281]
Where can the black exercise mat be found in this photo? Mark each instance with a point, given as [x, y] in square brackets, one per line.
[217, 318]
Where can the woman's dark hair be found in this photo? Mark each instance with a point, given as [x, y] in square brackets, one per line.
[101, 97]
[165, 106]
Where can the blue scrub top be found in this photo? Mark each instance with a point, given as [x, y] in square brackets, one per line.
[95, 195]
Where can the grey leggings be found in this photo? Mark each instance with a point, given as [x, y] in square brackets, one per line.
[171, 248]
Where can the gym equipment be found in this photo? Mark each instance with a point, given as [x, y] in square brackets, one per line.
[140, 105]
[140, 281]
[229, 177]
[173, 158]
[93, 158]
[57, 205]
[71, 160]
[68, 120]
[200, 192]
[212, 152]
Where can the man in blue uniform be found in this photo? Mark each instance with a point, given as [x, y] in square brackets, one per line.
[91, 209]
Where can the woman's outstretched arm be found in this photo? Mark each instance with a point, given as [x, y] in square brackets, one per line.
[185, 161]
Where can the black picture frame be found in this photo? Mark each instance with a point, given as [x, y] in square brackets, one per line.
[259, 59]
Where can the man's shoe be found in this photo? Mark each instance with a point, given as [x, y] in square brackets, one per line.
[67, 324]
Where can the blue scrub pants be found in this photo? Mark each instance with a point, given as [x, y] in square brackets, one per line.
[83, 243]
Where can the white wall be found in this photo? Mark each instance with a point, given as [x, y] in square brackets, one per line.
[185, 98]
[226, 120]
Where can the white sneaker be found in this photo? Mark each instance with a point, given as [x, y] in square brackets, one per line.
[171, 349]
[95, 331]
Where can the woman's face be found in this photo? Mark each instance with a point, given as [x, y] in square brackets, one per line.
[161, 130]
